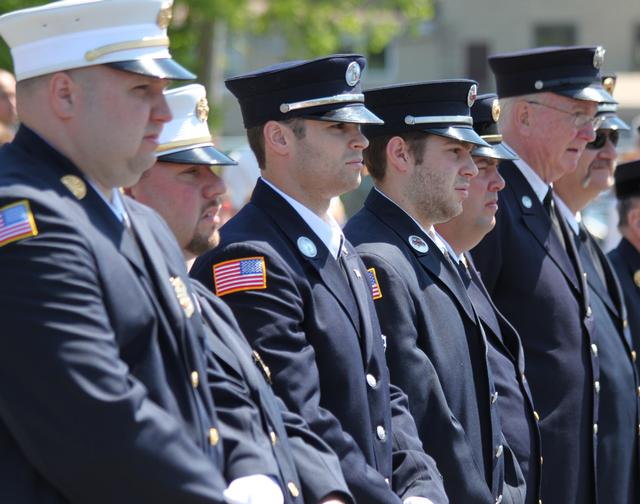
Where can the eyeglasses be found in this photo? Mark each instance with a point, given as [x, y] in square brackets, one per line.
[601, 139]
[579, 119]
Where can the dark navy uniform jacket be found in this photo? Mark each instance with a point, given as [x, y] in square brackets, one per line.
[324, 348]
[302, 457]
[625, 259]
[436, 351]
[618, 440]
[97, 351]
[534, 283]
[515, 404]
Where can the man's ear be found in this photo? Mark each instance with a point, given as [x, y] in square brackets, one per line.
[63, 95]
[277, 137]
[398, 156]
[522, 117]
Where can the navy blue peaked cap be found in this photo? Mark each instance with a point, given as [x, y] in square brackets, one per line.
[326, 89]
[486, 112]
[437, 107]
[569, 71]
[627, 177]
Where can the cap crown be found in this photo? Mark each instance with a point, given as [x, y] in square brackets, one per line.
[627, 179]
[78, 33]
[299, 88]
[571, 71]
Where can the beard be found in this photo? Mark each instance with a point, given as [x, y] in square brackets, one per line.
[201, 243]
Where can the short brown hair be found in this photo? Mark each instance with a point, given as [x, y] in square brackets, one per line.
[255, 136]
[375, 156]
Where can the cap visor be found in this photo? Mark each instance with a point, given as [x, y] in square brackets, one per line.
[459, 133]
[613, 122]
[357, 114]
[594, 94]
[162, 68]
[495, 151]
[205, 155]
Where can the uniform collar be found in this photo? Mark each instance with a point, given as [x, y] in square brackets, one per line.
[327, 230]
[539, 186]
[433, 235]
[572, 219]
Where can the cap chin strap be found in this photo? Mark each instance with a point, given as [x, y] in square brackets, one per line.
[318, 102]
[457, 119]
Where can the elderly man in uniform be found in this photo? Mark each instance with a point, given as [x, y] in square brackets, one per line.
[101, 339]
[625, 258]
[185, 186]
[297, 287]
[421, 166]
[529, 264]
[617, 471]
[505, 353]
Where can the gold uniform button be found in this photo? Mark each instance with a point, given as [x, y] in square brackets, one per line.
[499, 451]
[499, 499]
[594, 349]
[293, 489]
[214, 437]
[371, 380]
[589, 312]
[381, 433]
[494, 397]
[274, 438]
[596, 386]
[536, 416]
[633, 355]
[625, 323]
[638, 391]
[595, 428]
[541, 460]
[195, 379]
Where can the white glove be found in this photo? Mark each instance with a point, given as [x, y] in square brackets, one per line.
[254, 489]
[417, 500]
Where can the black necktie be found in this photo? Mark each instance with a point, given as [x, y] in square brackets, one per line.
[552, 211]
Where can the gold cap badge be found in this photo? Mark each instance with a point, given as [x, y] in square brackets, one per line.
[202, 109]
[165, 15]
[495, 110]
[75, 185]
[636, 278]
[609, 84]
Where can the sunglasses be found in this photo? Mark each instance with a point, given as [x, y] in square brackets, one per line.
[601, 139]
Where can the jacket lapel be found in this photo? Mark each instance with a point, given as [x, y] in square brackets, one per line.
[537, 221]
[431, 259]
[294, 227]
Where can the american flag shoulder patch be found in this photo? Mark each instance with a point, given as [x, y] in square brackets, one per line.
[373, 283]
[16, 222]
[247, 273]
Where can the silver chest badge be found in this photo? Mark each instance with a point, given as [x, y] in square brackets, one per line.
[418, 244]
[526, 202]
[307, 247]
